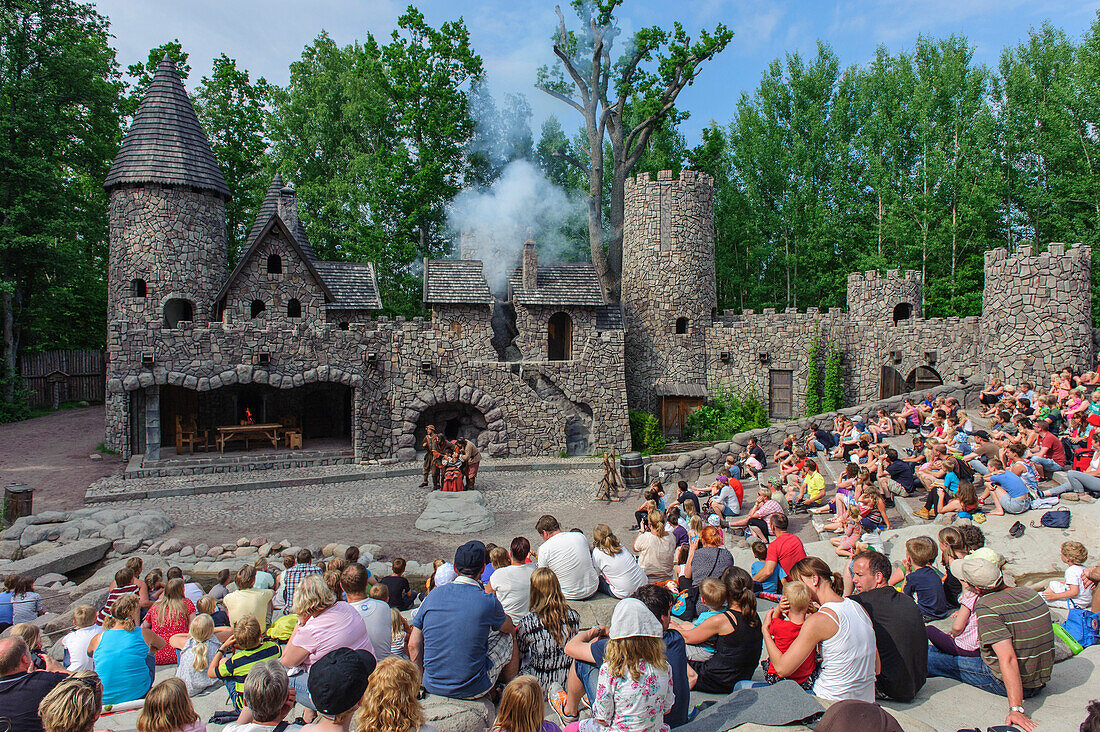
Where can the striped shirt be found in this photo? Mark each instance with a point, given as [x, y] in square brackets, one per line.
[1020, 615]
[293, 576]
[237, 666]
[112, 596]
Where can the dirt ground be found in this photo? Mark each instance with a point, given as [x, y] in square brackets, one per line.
[51, 455]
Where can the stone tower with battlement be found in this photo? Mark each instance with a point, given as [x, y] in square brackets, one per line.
[875, 299]
[1036, 315]
[669, 298]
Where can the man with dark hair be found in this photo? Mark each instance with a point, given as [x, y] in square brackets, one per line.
[375, 612]
[568, 555]
[1048, 452]
[302, 568]
[512, 584]
[785, 550]
[894, 476]
[587, 651]
[898, 623]
[684, 494]
[21, 687]
[461, 638]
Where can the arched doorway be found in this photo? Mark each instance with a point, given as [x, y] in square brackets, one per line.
[559, 337]
[177, 310]
[452, 420]
[922, 378]
[902, 311]
[890, 383]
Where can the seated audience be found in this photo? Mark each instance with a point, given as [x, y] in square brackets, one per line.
[76, 642]
[302, 568]
[714, 596]
[620, 573]
[707, 558]
[461, 638]
[337, 682]
[26, 604]
[391, 701]
[784, 630]
[771, 582]
[656, 549]
[568, 555]
[374, 610]
[512, 584]
[542, 633]
[1074, 592]
[123, 584]
[196, 647]
[21, 687]
[171, 614]
[122, 653]
[221, 587]
[247, 599]
[168, 709]
[74, 705]
[922, 583]
[785, 550]
[267, 700]
[401, 595]
[522, 708]
[235, 657]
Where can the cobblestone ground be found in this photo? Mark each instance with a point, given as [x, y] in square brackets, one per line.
[384, 511]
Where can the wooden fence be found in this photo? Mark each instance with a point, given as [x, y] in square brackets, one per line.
[63, 376]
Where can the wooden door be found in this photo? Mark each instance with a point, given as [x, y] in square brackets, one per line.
[674, 414]
[891, 383]
[780, 394]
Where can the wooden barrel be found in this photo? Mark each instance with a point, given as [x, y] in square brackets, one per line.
[632, 470]
[17, 501]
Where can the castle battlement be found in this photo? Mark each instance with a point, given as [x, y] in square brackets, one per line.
[686, 177]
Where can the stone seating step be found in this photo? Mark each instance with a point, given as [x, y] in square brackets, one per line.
[238, 463]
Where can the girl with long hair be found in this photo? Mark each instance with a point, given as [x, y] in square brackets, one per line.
[736, 635]
[121, 653]
[849, 657]
[390, 703]
[543, 633]
[168, 709]
[170, 615]
[197, 646]
[619, 572]
[634, 687]
[522, 708]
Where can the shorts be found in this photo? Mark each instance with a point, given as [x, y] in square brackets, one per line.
[706, 683]
[897, 488]
[1015, 505]
[501, 646]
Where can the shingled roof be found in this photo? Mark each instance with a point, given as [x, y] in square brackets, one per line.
[165, 143]
[271, 206]
[609, 317]
[455, 281]
[272, 222]
[560, 284]
[353, 285]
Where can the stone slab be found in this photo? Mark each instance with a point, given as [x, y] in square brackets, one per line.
[61, 559]
[461, 512]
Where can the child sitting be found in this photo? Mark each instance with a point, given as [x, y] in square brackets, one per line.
[522, 708]
[922, 583]
[635, 682]
[245, 648]
[785, 628]
[962, 639]
[76, 642]
[167, 708]
[209, 606]
[1072, 592]
[401, 595]
[196, 647]
[964, 502]
[712, 592]
[770, 585]
[399, 634]
[32, 635]
[849, 544]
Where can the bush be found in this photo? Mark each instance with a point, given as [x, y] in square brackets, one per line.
[645, 432]
[833, 397]
[726, 415]
[16, 409]
[813, 381]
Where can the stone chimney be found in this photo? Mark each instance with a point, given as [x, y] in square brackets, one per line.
[530, 266]
[288, 208]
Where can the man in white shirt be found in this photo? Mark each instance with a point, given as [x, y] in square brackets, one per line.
[567, 554]
[375, 612]
[512, 584]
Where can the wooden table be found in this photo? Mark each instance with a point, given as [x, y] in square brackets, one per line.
[245, 432]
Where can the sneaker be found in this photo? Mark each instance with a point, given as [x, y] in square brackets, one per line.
[1070, 496]
[1016, 530]
[557, 702]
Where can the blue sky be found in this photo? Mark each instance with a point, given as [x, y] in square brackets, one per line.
[512, 36]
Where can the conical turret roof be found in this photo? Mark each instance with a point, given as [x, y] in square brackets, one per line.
[165, 143]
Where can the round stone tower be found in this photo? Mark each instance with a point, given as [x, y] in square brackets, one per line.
[167, 252]
[668, 285]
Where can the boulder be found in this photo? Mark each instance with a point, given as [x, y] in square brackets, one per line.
[462, 512]
[258, 542]
[455, 715]
[171, 546]
[126, 546]
[242, 541]
[9, 549]
[187, 551]
[61, 559]
[50, 578]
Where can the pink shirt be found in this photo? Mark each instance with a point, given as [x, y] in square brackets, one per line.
[340, 626]
[968, 638]
[197, 726]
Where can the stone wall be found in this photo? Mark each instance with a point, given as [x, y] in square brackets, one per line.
[668, 273]
[532, 322]
[275, 290]
[704, 463]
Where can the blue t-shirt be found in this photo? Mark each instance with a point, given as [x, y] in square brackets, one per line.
[456, 620]
[951, 482]
[6, 608]
[770, 584]
[1012, 483]
[926, 588]
[676, 652]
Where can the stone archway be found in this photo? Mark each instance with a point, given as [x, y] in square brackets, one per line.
[466, 401]
[922, 378]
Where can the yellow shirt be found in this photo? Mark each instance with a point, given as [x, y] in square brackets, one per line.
[248, 602]
[815, 485]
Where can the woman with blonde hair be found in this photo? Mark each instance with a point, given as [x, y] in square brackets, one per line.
[122, 653]
[543, 633]
[390, 703]
[522, 708]
[168, 709]
[619, 572]
[324, 624]
[73, 705]
[656, 549]
[170, 615]
[197, 646]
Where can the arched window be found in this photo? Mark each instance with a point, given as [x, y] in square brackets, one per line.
[258, 307]
[137, 288]
[559, 340]
[681, 325]
[176, 310]
[294, 309]
[343, 325]
[902, 311]
[274, 264]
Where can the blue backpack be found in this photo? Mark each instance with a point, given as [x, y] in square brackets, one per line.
[1083, 626]
[1055, 519]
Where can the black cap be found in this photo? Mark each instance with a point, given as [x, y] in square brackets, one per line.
[980, 433]
[338, 679]
[470, 556]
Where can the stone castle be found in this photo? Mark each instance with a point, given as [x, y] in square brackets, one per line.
[542, 364]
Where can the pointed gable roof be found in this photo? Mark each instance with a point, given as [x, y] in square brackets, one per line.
[273, 221]
[271, 206]
[165, 143]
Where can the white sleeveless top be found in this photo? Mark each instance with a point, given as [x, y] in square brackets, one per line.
[848, 658]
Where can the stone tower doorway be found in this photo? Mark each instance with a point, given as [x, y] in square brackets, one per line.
[921, 378]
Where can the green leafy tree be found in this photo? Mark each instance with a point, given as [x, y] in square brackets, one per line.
[141, 74]
[647, 78]
[233, 111]
[813, 379]
[60, 90]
